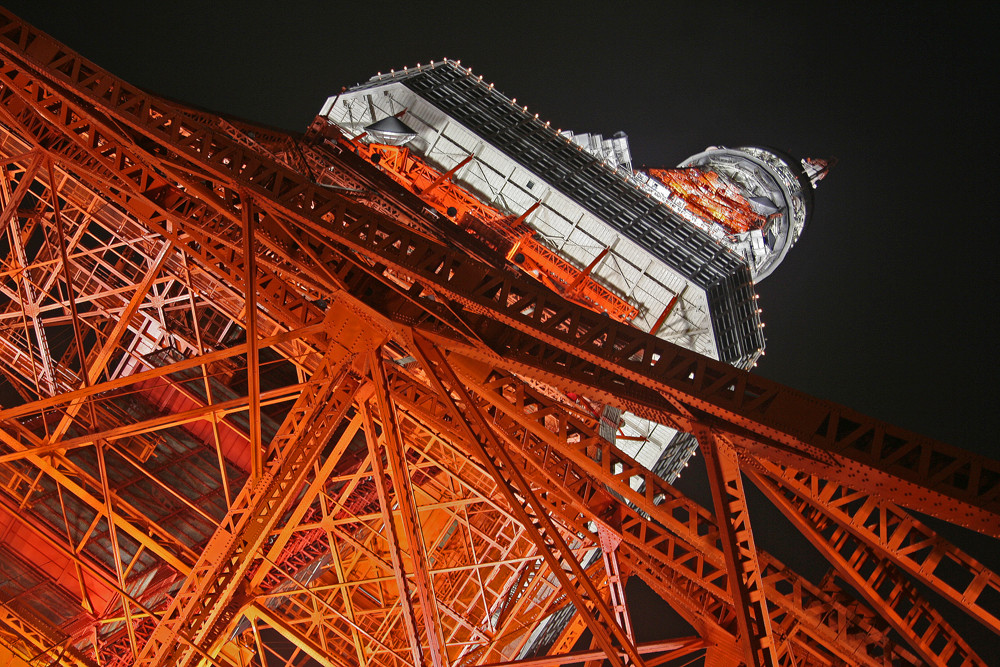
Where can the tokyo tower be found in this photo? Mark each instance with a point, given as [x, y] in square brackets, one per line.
[412, 387]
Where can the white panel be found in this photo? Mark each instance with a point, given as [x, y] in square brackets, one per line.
[564, 225]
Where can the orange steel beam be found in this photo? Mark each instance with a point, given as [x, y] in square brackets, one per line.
[569, 636]
[579, 453]
[655, 329]
[610, 541]
[910, 544]
[524, 216]
[281, 539]
[431, 463]
[742, 564]
[416, 400]
[33, 639]
[166, 547]
[116, 518]
[574, 285]
[68, 277]
[96, 571]
[295, 636]
[201, 244]
[324, 621]
[115, 547]
[206, 601]
[894, 598]
[331, 629]
[349, 608]
[97, 366]
[395, 548]
[524, 598]
[99, 580]
[182, 175]
[543, 412]
[342, 568]
[409, 518]
[446, 175]
[765, 419]
[519, 604]
[799, 610]
[531, 512]
[250, 221]
[520, 601]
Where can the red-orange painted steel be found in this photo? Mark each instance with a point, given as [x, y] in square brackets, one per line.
[129, 468]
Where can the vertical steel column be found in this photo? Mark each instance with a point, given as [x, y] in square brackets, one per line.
[738, 547]
[532, 514]
[395, 551]
[253, 354]
[407, 508]
[616, 583]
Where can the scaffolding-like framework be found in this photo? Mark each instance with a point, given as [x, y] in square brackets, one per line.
[254, 391]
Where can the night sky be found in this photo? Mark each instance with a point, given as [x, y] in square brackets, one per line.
[887, 304]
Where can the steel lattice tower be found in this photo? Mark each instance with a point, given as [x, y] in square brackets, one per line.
[255, 389]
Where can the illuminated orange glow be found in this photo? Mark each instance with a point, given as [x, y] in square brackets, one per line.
[435, 451]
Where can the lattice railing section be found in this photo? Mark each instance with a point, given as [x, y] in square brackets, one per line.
[880, 582]
[909, 543]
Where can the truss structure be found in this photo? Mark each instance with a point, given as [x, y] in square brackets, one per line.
[254, 390]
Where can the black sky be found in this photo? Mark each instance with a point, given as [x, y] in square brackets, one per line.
[889, 302]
